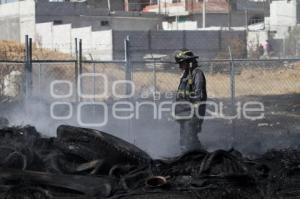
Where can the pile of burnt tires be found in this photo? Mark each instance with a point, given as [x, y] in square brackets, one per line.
[86, 163]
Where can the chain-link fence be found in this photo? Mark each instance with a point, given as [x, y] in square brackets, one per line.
[239, 91]
[262, 77]
[251, 78]
[47, 75]
[10, 78]
[98, 78]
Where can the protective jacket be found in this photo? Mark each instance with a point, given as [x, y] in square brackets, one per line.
[192, 88]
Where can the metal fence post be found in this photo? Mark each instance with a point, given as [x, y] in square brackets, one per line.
[80, 69]
[28, 66]
[246, 19]
[128, 69]
[232, 78]
[284, 48]
[40, 74]
[232, 94]
[94, 77]
[128, 77]
[154, 79]
[25, 77]
[76, 70]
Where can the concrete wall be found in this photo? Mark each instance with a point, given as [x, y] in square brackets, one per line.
[102, 45]
[62, 38]
[44, 35]
[186, 25]
[86, 35]
[17, 19]
[136, 23]
[6, 27]
[45, 8]
[81, 15]
[27, 19]
[206, 44]
[115, 23]
[194, 22]
[283, 15]
[114, 5]
[221, 19]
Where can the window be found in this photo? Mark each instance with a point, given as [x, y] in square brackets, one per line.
[57, 22]
[104, 23]
[256, 19]
[176, 1]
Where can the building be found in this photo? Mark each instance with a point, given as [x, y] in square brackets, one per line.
[99, 18]
[119, 5]
[195, 14]
[284, 16]
[20, 17]
[280, 28]
[55, 25]
[136, 5]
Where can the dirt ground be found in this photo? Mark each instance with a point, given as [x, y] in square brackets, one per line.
[249, 81]
[278, 129]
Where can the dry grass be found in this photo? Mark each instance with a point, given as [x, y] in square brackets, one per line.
[10, 50]
[268, 82]
[248, 82]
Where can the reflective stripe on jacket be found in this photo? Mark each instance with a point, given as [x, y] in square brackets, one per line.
[194, 91]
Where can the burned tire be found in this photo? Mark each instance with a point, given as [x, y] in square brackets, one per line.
[27, 192]
[158, 195]
[103, 144]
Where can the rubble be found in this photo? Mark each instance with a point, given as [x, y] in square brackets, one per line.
[3, 122]
[86, 163]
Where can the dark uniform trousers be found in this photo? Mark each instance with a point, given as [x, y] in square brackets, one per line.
[190, 128]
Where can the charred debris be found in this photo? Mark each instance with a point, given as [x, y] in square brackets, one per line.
[85, 163]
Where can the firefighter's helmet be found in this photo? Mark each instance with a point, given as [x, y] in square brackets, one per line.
[184, 55]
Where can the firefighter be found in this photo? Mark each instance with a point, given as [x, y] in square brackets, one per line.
[191, 97]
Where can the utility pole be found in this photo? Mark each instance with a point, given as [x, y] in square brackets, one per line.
[204, 14]
[159, 6]
[165, 7]
[108, 5]
[176, 19]
[246, 20]
[229, 14]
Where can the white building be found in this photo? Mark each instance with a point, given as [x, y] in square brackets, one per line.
[284, 16]
[54, 25]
